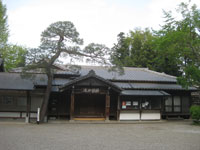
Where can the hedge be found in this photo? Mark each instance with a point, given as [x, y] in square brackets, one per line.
[195, 113]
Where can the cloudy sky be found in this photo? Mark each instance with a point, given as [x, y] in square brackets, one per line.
[98, 21]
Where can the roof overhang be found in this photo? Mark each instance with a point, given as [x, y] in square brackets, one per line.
[143, 93]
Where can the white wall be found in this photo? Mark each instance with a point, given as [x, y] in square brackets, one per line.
[135, 115]
[150, 116]
[129, 115]
[10, 114]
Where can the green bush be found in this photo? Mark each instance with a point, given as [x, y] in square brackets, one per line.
[195, 112]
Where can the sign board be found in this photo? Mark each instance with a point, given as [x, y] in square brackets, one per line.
[90, 90]
[128, 103]
[135, 103]
[123, 104]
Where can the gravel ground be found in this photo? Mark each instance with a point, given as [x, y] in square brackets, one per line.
[171, 135]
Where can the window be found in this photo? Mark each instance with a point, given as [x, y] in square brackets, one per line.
[168, 104]
[177, 104]
[168, 101]
[173, 105]
[7, 100]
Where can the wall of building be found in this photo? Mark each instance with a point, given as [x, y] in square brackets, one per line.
[178, 104]
[13, 104]
[140, 108]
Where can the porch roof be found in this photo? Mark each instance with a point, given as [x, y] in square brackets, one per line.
[144, 93]
[152, 86]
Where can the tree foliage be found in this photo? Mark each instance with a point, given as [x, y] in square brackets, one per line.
[3, 25]
[134, 50]
[178, 45]
[62, 39]
[13, 55]
[173, 49]
[195, 112]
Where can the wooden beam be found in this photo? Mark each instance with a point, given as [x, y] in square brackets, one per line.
[118, 107]
[72, 106]
[107, 109]
[28, 107]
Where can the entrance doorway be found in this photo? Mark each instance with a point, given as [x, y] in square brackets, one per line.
[89, 106]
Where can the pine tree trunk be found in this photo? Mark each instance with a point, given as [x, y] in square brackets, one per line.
[45, 102]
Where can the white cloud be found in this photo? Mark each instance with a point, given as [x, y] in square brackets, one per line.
[96, 20]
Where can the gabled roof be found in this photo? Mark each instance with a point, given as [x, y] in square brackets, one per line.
[91, 74]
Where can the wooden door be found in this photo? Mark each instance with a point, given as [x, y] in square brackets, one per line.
[89, 105]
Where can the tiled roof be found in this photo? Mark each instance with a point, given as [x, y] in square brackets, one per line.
[13, 81]
[144, 93]
[152, 86]
[133, 78]
[130, 74]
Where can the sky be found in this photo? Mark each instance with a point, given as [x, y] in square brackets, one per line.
[98, 21]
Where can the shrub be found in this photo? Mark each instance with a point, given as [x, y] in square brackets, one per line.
[195, 112]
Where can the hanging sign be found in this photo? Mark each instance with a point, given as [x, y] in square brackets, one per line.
[128, 103]
[90, 90]
[135, 103]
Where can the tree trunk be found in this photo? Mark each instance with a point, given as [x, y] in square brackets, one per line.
[45, 102]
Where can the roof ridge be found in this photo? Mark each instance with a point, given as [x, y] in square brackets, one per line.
[21, 72]
[159, 73]
[139, 68]
[63, 65]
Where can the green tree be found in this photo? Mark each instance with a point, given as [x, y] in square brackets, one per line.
[14, 56]
[178, 45]
[61, 39]
[120, 51]
[3, 27]
[134, 50]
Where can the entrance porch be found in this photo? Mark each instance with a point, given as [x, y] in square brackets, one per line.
[91, 97]
[89, 106]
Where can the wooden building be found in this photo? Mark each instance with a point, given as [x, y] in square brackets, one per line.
[95, 93]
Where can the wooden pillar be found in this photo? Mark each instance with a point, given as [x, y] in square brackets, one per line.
[107, 109]
[28, 107]
[140, 107]
[118, 107]
[72, 106]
